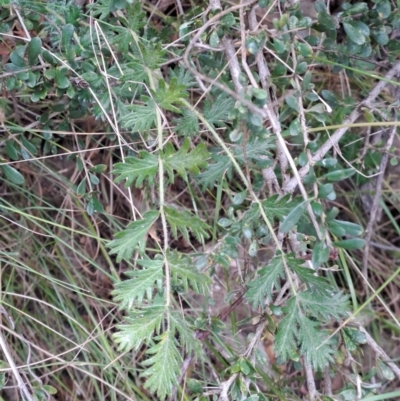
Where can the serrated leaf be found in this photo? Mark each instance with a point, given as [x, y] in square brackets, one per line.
[183, 161]
[313, 346]
[139, 327]
[34, 49]
[12, 174]
[133, 236]
[285, 340]
[188, 124]
[266, 281]
[256, 150]
[216, 112]
[215, 172]
[137, 169]
[168, 97]
[307, 275]
[324, 307]
[163, 366]
[296, 330]
[293, 217]
[186, 335]
[141, 284]
[140, 118]
[184, 273]
[184, 222]
[279, 208]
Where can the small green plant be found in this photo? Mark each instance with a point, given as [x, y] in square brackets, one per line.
[230, 159]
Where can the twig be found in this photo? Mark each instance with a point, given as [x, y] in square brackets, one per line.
[375, 201]
[335, 138]
[380, 352]
[263, 72]
[312, 391]
[327, 382]
[234, 68]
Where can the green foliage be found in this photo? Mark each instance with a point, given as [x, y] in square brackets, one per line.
[134, 236]
[139, 326]
[297, 331]
[140, 118]
[183, 221]
[141, 283]
[137, 169]
[164, 364]
[262, 286]
[183, 161]
[196, 154]
[186, 275]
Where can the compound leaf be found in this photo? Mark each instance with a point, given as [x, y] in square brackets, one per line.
[163, 366]
[265, 282]
[139, 327]
[141, 283]
[133, 236]
[183, 221]
[183, 161]
[137, 169]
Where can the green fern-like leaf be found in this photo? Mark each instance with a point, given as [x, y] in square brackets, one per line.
[133, 236]
[215, 172]
[186, 334]
[188, 124]
[298, 333]
[185, 222]
[137, 169]
[263, 285]
[257, 151]
[313, 346]
[183, 161]
[163, 366]
[141, 283]
[325, 307]
[217, 111]
[279, 208]
[139, 328]
[285, 340]
[168, 97]
[307, 275]
[141, 118]
[184, 273]
[183, 76]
